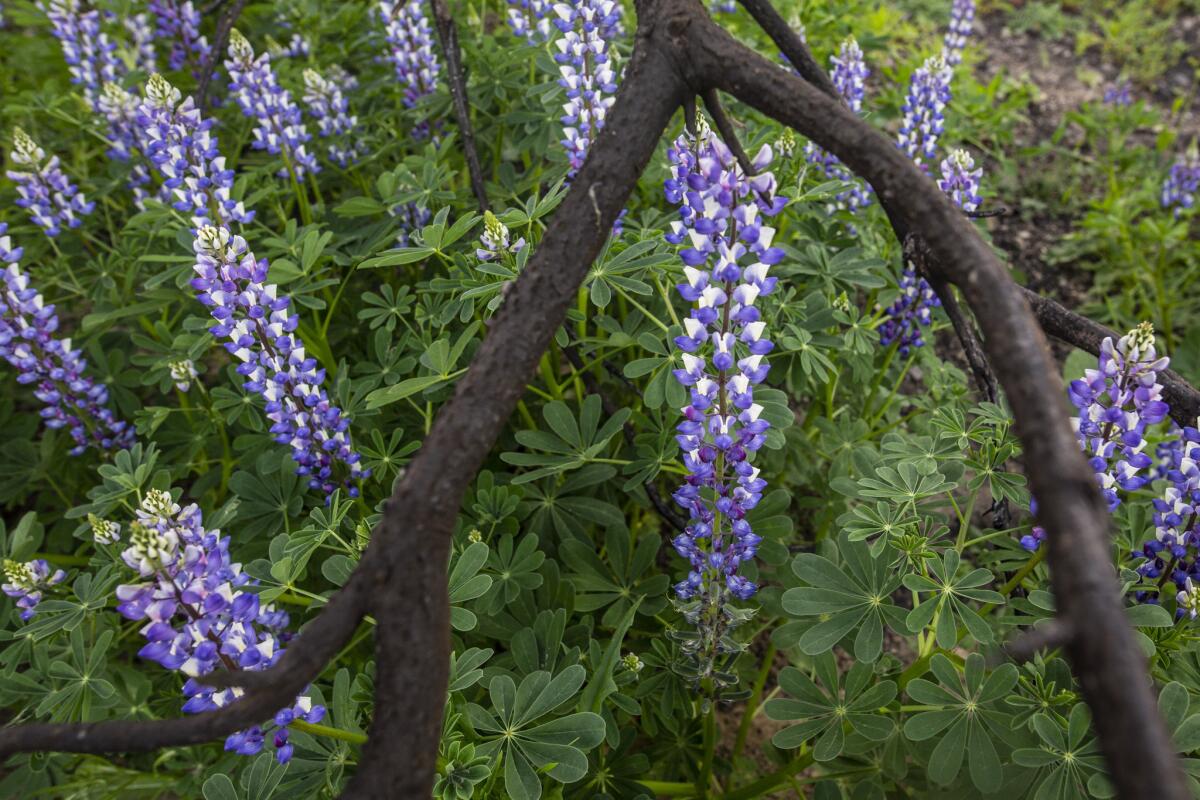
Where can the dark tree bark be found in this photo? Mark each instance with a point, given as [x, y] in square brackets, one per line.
[457, 80]
[680, 53]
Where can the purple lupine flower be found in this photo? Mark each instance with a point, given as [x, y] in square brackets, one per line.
[1116, 402]
[297, 47]
[722, 6]
[328, 106]
[280, 129]
[1183, 183]
[586, 72]
[495, 241]
[723, 348]
[911, 311]
[413, 217]
[139, 43]
[72, 400]
[529, 20]
[410, 49]
[26, 581]
[849, 74]
[45, 190]
[251, 315]
[924, 107]
[179, 24]
[1118, 94]
[960, 179]
[90, 54]
[120, 109]
[181, 146]
[254, 321]
[962, 22]
[201, 615]
[1172, 555]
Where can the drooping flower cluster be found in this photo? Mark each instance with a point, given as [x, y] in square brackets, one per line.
[45, 190]
[179, 142]
[962, 22]
[960, 179]
[924, 111]
[179, 24]
[328, 106]
[410, 49]
[200, 616]
[280, 129]
[1172, 554]
[1116, 402]
[585, 72]
[495, 241]
[529, 19]
[849, 74]
[254, 322]
[1183, 183]
[28, 342]
[723, 354]
[90, 54]
[26, 581]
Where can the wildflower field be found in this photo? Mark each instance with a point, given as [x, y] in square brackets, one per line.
[517, 399]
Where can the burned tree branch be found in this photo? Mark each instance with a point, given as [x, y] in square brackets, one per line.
[712, 101]
[272, 690]
[1102, 650]
[456, 78]
[220, 41]
[1075, 329]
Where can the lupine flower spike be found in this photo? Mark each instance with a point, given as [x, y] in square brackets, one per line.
[586, 72]
[328, 106]
[410, 49]
[280, 129]
[1183, 183]
[962, 21]
[924, 107]
[1119, 94]
[26, 581]
[180, 145]
[1172, 554]
[723, 350]
[960, 180]
[200, 616]
[494, 242]
[179, 24]
[45, 190]
[849, 74]
[1117, 401]
[529, 20]
[90, 54]
[71, 399]
[251, 316]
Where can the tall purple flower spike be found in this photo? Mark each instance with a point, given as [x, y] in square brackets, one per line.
[179, 23]
[280, 129]
[723, 348]
[200, 615]
[1183, 182]
[924, 111]
[962, 23]
[71, 399]
[849, 74]
[328, 106]
[90, 54]
[586, 72]
[410, 49]
[53, 202]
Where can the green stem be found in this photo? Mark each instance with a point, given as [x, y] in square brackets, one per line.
[710, 747]
[669, 789]
[754, 702]
[769, 782]
[328, 732]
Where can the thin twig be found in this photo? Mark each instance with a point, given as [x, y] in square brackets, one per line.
[456, 78]
[220, 41]
[712, 102]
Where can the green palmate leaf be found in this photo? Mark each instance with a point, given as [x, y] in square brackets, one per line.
[950, 593]
[856, 598]
[573, 443]
[968, 723]
[821, 711]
